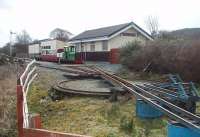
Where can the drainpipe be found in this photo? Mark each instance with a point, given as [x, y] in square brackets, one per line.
[82, 59]
[86, 53]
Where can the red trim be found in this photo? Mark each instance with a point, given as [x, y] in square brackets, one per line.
[20, 110]
[114, 56]
[45, 133]
[35, 121]
[50, 58]
[60, 50]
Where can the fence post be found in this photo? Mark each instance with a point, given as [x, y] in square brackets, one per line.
[35, 121]
[20, 110]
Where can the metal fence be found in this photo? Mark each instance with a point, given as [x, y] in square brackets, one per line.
[25, 80]
[24, 120]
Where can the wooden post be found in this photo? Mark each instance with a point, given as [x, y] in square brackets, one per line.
[20, 110]
[35, 121]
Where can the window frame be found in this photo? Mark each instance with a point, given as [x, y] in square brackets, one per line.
[105, 45]
[92, 47]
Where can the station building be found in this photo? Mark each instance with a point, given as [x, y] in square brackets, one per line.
[102, 44]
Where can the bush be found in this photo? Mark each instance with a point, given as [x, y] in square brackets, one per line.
[129, 54]
[164, 56]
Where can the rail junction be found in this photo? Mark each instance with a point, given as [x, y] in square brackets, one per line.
[175, 99]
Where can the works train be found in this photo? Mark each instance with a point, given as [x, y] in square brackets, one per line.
[63, 55]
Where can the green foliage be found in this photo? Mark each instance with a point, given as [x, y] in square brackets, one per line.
[129, 52]
[130, 48]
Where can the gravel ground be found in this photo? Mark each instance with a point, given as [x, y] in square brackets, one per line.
[86, 84]
[112, 68]
[55, 76]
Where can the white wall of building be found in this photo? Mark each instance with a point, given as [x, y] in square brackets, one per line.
[34, 49]
[50, 47]
[115, 42]
[47, 47]
[61, 44]
[120, 40]
[87, 47]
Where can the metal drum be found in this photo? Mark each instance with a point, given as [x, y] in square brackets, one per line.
[176, 129]
[144, 110]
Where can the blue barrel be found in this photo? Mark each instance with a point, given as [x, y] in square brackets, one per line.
[175, 129]
[144, 110]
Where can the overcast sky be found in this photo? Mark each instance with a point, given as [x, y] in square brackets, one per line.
[39, 17]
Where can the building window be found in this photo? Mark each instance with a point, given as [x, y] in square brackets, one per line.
[43, 53]
[105, 45]
[92, 47]
[82, 48]
[49, 52]
[77, 46]
[46, 47]
[129, 34]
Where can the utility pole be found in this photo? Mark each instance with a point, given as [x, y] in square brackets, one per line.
[11, 33]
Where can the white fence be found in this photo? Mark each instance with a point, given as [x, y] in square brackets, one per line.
[25, 80]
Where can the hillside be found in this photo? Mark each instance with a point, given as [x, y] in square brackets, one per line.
[187, 33]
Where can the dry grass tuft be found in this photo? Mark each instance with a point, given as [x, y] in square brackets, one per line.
[7, 101]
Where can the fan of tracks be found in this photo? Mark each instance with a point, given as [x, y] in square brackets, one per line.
[141, 91]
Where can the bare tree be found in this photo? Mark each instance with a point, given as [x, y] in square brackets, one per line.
[23, 38]
[5, 49]
[60, 34]
[152, 25]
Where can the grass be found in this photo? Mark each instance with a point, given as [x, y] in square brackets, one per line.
[90, 116]
[140, 76]
[7, 101]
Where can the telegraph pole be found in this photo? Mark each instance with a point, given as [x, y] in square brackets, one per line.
[11, 33]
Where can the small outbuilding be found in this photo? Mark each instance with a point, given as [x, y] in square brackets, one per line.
[46, 49]
[102, 44]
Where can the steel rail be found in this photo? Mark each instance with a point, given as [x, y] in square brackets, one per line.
[66, 70]
[82, 69]
[87, 91]
[125, 84]
[59, 87]
[159, 91]
[189, 114]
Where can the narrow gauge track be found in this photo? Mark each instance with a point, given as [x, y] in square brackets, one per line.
[188, 119]
[73, 70]
[174, 112]
[60, 87]
[86, 69]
